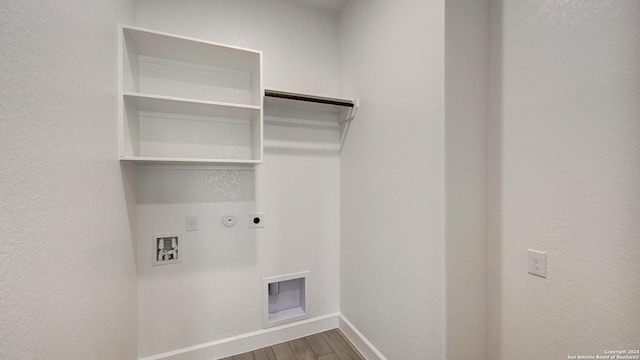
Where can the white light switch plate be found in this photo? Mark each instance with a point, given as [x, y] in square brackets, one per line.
[537, 262]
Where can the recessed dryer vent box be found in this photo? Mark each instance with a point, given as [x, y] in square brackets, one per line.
[285, 299]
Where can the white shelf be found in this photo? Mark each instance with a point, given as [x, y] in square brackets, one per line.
[188, 101]
[164, 160]
[176, 105]
[163, 45]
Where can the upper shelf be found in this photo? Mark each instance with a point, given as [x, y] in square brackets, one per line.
[276, 97]
[158, 44]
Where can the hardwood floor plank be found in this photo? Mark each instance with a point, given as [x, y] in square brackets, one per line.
[331, 356]
[245, 356]
[339, 346]
[264, 354]
[329, 345]
[353, 347]
[302, 350]
[283, 351]
[270, 353]
[319, 345]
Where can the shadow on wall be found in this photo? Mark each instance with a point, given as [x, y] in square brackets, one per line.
[185, 186]
[128, 174]
[494, 173]
[301, 132]
[166, 194]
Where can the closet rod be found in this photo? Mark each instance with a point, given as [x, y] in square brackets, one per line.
[308, 98]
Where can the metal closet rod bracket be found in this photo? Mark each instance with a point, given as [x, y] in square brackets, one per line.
[353, 111]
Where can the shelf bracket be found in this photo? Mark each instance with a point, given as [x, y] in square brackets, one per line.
[351, 114]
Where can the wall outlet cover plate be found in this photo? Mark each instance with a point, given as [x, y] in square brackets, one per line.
[537, 262]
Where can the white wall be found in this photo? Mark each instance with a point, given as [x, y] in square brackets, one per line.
[67, 266]
[392, 176]
[565, 177]
[216, 292]
[299, 41]
[466, 112]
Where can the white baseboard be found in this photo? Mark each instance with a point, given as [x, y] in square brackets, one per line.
[253, 340]
[361, 343]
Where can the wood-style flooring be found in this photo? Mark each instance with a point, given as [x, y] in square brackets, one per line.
[328, 345]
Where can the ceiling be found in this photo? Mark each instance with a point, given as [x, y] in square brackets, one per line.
[332, 5]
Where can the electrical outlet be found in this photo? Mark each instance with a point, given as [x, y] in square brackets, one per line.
[256, 220]
[192, 223]
[537, 262]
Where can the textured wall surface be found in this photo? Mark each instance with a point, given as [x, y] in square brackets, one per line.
[392, 176]
[298, 40]
[216, 292]
[466, 112]
[565, 177]
[67, 270]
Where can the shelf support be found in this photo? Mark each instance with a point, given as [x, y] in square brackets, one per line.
[351, 114]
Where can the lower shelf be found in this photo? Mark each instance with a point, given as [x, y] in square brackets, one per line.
[158, 129]
[166, 160]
